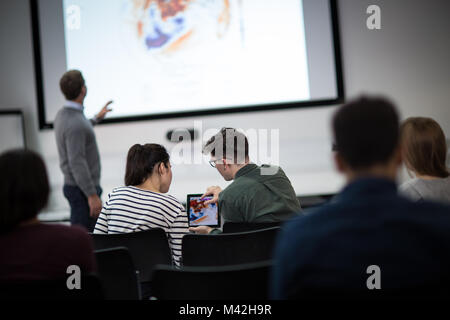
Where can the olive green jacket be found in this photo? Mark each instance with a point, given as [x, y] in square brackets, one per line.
[257, 197]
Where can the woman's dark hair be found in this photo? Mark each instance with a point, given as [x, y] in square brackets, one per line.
[141, 161]
[24, 187]
[424, 148]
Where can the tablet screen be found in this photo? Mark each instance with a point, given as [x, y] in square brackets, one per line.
[201, 214]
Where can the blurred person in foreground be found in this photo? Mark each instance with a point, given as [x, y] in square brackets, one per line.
[369, 236]
[29, 249]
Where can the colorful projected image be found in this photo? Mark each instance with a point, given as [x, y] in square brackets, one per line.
[167, 25]
[165, 56]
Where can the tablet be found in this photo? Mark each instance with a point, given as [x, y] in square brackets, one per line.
[200, 214]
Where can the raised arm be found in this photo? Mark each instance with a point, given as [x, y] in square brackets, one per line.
[102, 114]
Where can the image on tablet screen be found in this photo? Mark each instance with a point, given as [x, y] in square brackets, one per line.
[201, 214]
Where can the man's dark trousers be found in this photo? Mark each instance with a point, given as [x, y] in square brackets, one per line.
[79, 207]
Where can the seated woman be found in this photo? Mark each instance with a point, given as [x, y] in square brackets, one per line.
[424, 152]
[30, 250]
[142, 204]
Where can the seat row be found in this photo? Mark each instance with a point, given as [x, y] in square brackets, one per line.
[139, 264]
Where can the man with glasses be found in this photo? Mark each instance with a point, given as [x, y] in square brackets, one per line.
[258, 194]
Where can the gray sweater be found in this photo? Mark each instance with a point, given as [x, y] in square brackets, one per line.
[79, 158]
[432, 190]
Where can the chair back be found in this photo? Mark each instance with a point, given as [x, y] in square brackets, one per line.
[228, 249]
[118, 274]
[241, 282]
[234, 227]
[147, 248]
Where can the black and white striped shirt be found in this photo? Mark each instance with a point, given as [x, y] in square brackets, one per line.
[130, 209]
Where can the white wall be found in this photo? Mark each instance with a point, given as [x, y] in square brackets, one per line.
[11, 132]
[407, 60]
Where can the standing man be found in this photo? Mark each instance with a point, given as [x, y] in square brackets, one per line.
[78, 152]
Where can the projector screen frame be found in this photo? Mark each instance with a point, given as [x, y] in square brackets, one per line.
[45, 124]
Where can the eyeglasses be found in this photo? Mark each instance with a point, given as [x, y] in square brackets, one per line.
[212, 163]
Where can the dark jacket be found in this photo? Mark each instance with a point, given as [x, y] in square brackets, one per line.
[367, 224]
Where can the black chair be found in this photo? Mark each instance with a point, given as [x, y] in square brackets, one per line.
[118, 274]
[228, 249]
[234, 227]
[147, 248]
[241, 282]
[53, 289]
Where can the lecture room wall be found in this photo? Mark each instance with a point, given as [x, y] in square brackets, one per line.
[407, 60]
